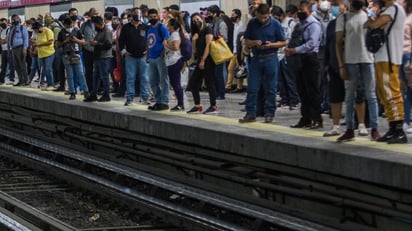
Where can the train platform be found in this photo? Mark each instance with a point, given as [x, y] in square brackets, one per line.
[275, 143]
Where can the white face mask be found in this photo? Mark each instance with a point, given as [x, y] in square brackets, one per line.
[125, 21]
[324, 6]
[69, 30]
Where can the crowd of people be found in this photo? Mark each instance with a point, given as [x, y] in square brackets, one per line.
[314, 55]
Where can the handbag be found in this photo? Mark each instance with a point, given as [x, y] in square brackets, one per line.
[74, 59]
[220, 51]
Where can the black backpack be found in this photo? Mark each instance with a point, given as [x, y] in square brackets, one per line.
[297, 38]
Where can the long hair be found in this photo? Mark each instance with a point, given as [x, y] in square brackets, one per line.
[177, 27]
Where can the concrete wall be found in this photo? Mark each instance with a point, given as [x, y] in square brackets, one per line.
[4, 13]
[33, 11]
[82, 7]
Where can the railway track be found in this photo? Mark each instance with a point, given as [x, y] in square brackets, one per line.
[202, 188]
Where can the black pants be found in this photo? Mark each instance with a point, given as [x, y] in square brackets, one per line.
[208, 74]
[308, 86]
[88, 63]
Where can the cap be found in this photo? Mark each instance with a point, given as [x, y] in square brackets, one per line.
[174, 7]
[213, 9]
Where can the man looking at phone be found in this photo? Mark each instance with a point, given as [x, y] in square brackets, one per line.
[264, 35]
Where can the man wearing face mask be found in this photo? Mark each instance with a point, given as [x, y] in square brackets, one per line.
[102, 44]
[156, 34]
[5, 56]
[307, 74]
[133, 49]
[236, 60]
[17, 43]
[265, 36]
[88, 31]
[70, 39]
[387, 69]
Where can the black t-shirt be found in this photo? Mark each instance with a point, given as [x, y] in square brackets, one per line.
[70, 47]
[201, 41]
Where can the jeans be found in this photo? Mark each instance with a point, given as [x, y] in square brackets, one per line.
[159, 81]
[101, 75]
[75, 69]
[221, 77]
[47, 69]
[136, 67]
[407, 92]
[265, 73]
[361, 73]
[35, 66]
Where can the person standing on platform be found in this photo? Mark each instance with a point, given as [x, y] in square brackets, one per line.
[156, 34]
[88, 31]
[6, 62]
[18, 42]
[308, 79]
[69, 39]
[265, 36]
[387, 70]
[45, 48]
[133, 49]
[102, 44]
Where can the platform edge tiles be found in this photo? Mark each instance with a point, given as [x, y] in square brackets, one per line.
[370, 161]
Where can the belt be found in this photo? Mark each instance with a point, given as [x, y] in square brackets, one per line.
[16, 47]
[265, 55]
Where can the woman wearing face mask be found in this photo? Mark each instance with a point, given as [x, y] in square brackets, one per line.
[174, 60]
[205, 68]
[45, 46]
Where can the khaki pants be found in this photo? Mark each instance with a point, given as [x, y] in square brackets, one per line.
[231, 73]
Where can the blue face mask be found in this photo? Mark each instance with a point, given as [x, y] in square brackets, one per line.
[335, 11]
[314, 8]
[371, 13]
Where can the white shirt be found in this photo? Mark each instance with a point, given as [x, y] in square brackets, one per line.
[3, 35]
[355, 47]
[173, 56]
[238, 28]
[395, 37]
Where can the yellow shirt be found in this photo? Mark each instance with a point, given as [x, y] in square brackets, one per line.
[44, 36]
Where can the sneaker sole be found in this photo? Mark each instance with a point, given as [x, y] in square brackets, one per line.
[343, 141]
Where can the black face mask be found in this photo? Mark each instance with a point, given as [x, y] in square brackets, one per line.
[198, 24]
[73, 18]
[153, 21]
[114, 26]
[233, 19]
[357, 5]
[3, 25]
[98, 29]
[302, 16]
[209, 19]
[15, 23]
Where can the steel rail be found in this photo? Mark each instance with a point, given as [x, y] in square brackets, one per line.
[212, 198]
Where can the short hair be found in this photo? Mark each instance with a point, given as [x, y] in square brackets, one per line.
[72, 9]
[97, 19]
[291, 8]
[36, 25]
[3, 19]
[277, 11]
[108, 15]
[213, 9]
[152, 11]
[263, 9]
[237, 12]
[174, 7]
[67, 21]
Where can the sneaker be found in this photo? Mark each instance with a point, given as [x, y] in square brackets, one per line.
[268, 119]
[293, 107]
[409, 130]
[332, 132]
[348, 136]
[399, 137]
[49, 88]
[211, 110]
[247, 119]
[388, 135]
[195, 110]
[72, 96]
[104, 98]
[160, 107]
[362, 130]
[375, 134]
[128, 103]
[91, 98]
[152, 107]
[178, 108]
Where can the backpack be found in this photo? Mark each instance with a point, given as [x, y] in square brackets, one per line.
[375, 38]
[297, 38]
[185, 49]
